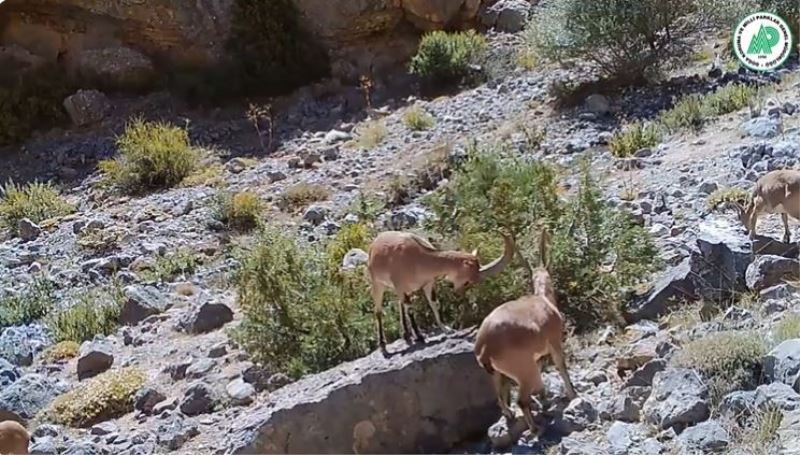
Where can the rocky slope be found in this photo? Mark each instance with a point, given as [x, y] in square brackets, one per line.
[202, 393]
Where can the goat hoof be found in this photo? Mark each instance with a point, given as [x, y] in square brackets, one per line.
[420, 340]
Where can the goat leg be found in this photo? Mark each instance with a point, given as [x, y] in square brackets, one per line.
[401, 308]
[417, 334]
[787, 235]
[430, 296]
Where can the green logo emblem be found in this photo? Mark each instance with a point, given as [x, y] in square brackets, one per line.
[766, 38]
[762, 41]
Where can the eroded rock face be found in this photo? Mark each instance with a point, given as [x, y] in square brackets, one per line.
[421, 400]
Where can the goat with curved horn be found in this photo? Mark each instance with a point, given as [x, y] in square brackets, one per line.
[406, 263]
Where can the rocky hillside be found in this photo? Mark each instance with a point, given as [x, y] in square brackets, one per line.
[218, 305]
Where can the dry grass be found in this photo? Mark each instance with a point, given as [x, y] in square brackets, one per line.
[371, 134]
[301, 195]
[416, 119]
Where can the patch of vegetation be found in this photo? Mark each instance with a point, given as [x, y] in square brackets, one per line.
[758, 434]
[302, 194]
[240, 211]
[32, 304]
[302, 313]
[371, 134]
[728, 360]
[787, 329]
[416, 119]
[99, 241]
[211, 175]
[95, 313]
[629, 39]
[32, 101]
[152, 155]
[169, 267]
[722, 196]
[106, 396]
[687, 113]
[597, 251]
[634, 138]
[694, 111]
[63, 350]
[445, 58]
[36, 201]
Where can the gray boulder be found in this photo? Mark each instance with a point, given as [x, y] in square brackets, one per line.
[721, 260]
[23, 399]
[19, 344]
[506, 15]
[625, 438]
[741, 404]
[675, 284]
[354, 258]
[198, 399]
[316, 214]
[117, 68]
[705, 437]
[95, 357]
[28, 230]
[240, 392]
[598, 104]
[8, 373]
[146, 399]
[87, 107]
[174, 434]
[679, 399]
[579, 415]
[206, 317]
[762, 127]
[768, 270]
[140, 303]
[643, 376]
[782, 364]
[445, 398]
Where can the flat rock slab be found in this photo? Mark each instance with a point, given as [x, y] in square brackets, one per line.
[420, 399]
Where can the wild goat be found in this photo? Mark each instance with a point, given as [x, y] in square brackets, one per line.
[14, 438]
[775, 192]
[514, 336]
[406, 263]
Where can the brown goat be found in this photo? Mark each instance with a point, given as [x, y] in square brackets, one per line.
[14, 438]
[514, 336]
[775, 192]
[406, 263]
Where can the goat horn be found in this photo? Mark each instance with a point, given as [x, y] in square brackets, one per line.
[495, 267]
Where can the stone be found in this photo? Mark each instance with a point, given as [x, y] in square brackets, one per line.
[104, 428]
[778, 292]
[762, 127]
[198, 399]
[508, 16]
[436, 14]
[240, 392]
[789, 434]
[316, 214]
[206, 317]
[140, 303]
[45, 445]
[643, 376]
[146, 399]
[200, 368]
[624, 438]
[177, 370]
[116, 68]
[28, 230]
[782, 364]
[26, 397]
[87, 107]
[175, 433]
[218, 350]
[705, 437]
[741, 404]
[578, 445]
[237, 165]
[257, 376]
[503, 436]
[335, 136]
[84, 448]
[676, 283]
[579, 415]
[278, 380]
[679, 399]
[598, 104]
[721, 260]
[767, 270]
[707, 187]
[8, 373]
[354, 258]
[275, 176]
[95, 357]
[19, 344]
[448, 384]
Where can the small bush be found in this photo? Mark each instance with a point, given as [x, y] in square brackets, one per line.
[103, 397]
[416, 119]
[240, 211]
[168, 268]
[787, 329]
[302, 314]
[96, 313]
[729, 360]
[694, 111]
[36, 201]
[99, 242]
[151, 155]
[303, 194]
[597, 251]
[27, 306]
[371, 134]
[729, 99]
[629, 39]
[722, 196]
[211, 175]
[63, 350]
[634, 138]
[688, 113]
[444, 58]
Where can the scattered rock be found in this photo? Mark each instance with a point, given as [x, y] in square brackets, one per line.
[675, 283]
[316, 214]
[240, 392]
[200, 368]
[508, 16]
[28, 230]
[578, 415]
[8, 373]
[643, 376]
[782, 364]
[23, 399]
[198, 399]
[705, 437]
[762, 127]
[206, 317]
[768, 270]
[87, 107]
[679, 399]
[95, 357]
[140, 303]
[146, 399]
[174, 434]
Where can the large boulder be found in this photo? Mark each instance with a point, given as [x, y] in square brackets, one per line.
[87, 107]
[506, 15]
[706, 437]
[675, 284]
[95, 357]
[741, 403]
[117, 68]
[140, 303]
[721, 260]
[679, 399]
[782, 364]
[418, 400]
[769, 270]
[206, 317]
[23, 399]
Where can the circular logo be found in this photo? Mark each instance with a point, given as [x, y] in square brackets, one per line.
[762, 41]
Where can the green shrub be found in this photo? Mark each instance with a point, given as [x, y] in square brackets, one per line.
[625, 39]
[95, 313]
[729, 99]
[106, 396]
[416, 119]
[36, 201]
[240, 211]
[687, 113]
[98, 241]
[300, 195]
[787, 329]
[151, 155]
[371, 134]
[444, 57]
[302, 314]
[32, 101]
[635, 137]
[62, 350]
[694, 111]
[728, 360]
[722, 196]
[28, 306]
[167, 268]
[597, 251]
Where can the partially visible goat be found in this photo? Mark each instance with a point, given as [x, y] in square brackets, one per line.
[14, 438]
[775, 192]
[406, 263]
[516, 334]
